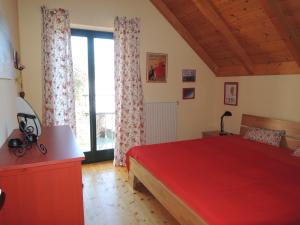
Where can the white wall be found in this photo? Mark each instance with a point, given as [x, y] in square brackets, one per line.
[270, 96]
[157, 35]
[274, 96]
[9, 12]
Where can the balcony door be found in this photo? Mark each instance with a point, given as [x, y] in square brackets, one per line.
[93, 65]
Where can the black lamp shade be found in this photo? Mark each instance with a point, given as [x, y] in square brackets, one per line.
[227, 113]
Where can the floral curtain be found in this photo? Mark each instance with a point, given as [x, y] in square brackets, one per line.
[128, 88]
[58, 89]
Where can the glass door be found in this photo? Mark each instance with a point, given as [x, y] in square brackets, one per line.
[105, 93]
[93, 65]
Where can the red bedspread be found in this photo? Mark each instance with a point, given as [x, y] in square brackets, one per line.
[228, 180]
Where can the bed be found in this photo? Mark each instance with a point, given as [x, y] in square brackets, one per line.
[224, 180]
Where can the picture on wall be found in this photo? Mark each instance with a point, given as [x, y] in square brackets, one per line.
[231, 90]
[6, 52]
[188, 75]
[156, 64]
[188, 93]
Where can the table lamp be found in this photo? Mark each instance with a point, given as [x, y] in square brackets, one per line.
[226, 113]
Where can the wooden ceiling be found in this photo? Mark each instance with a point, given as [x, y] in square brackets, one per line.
[239, 37]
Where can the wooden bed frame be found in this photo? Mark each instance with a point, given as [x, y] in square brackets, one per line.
[182, 212]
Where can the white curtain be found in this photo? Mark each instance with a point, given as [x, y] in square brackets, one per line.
[128, 88]
[58, 89]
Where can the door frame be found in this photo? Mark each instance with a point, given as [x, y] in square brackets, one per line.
[94, 155]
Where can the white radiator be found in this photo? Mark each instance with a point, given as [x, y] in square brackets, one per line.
[161, 120]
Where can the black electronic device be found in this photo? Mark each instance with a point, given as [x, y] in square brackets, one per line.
[15, 143]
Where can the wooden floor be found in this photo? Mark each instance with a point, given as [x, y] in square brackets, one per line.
[109, 200]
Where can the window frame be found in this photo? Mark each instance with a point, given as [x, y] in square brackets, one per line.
[94, 155]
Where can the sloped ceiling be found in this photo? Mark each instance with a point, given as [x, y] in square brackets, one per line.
[239, 37]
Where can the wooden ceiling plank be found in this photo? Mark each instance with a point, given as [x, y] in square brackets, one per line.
[168, 14]
[284, 28]
[278, 68]
[207, 9]
[261, 69]
[232, 71]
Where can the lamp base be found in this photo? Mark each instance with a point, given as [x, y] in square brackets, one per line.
[223, 133]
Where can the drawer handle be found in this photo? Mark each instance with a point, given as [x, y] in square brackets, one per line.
[2, 199]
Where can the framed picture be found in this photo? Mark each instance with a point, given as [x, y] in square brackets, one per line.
[231, 90]
[157, 65]
[7, 69]
[188, 75]
[188, 93]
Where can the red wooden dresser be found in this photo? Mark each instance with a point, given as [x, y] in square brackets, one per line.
[43, 189]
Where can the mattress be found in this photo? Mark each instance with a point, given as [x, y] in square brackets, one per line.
[228, 180]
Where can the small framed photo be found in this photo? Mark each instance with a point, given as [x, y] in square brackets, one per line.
[188, 93]
[188, 75]
[157, 65]
[231, 90]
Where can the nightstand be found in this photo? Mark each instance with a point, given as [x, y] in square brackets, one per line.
[213, 133]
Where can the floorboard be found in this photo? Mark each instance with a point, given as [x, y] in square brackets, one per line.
[109, 200]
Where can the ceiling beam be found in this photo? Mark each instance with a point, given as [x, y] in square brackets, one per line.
[207, 9]
[284, 28]
[168, 14]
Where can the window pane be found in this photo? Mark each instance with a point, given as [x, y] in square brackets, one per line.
[105, 93]
[81, 80]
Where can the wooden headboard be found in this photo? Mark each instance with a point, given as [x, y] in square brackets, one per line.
[292, 129]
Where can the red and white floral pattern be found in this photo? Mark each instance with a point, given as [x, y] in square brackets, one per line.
[58, 89]
[271, 137]
[297, 152]
[128, 88]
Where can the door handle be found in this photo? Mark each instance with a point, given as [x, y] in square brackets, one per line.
[2, 199]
